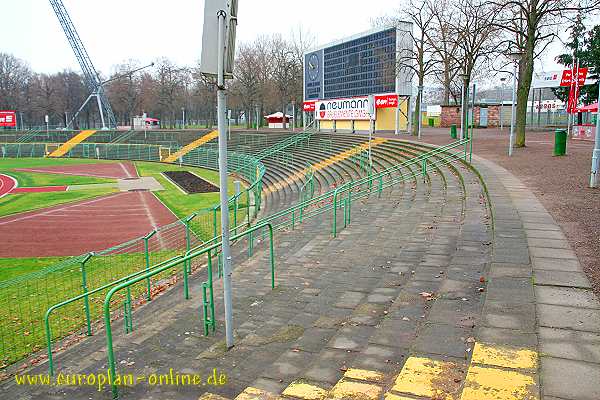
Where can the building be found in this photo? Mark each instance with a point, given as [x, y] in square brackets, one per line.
[276, 120]
[359, 84]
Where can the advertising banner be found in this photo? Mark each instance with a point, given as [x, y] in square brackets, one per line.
[386, 100]
[309, 106]
[356, 108]
[8, 118]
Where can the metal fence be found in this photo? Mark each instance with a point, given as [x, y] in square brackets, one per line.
[25, 299]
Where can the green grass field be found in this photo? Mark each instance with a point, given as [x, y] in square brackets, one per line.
[23, 305]
[22, 202]
[180, 203]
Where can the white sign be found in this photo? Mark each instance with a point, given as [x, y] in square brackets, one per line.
[210, 36]
[551, 79]
[355, 108]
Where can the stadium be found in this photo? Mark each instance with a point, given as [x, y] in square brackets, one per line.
[227, 255]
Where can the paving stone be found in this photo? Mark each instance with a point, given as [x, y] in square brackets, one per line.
[552, 253]
[517, 316]
[582, 319]
[561, 278]
[445, 340]
[566, 296]
[509, 337]
[517, 290]
[568, 379]
[553, 264]
[573, 345]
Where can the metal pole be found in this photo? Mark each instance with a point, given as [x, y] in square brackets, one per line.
[501, 105]
[293, 115]
[100, 110]
[512, 112]
[462, 111]
[221, 107]
[257, 120]
[420, 97]
[596, 153]
[183, 118]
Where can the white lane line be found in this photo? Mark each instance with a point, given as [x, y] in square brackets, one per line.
[45, 213]
[2, 185]
[126, 171]
[151, 217]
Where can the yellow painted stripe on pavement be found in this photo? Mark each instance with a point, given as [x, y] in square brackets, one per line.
[324, 163]
[69, 144]
[501, 373]
[355, 390]
[504, 356]
[429, 378]
[492, 383]
[212, 396]
[364, 375]
[191, 146]
[306, 391]
[252, 393]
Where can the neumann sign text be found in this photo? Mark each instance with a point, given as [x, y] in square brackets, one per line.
[356, 108]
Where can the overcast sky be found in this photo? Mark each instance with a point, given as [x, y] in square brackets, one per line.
[114, 31]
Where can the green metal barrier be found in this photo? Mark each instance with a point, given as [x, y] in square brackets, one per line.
[40, 290]
[291, 141]
[188, 257]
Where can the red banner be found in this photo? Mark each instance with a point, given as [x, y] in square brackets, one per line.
[309, 106]
[386, 101]
[8, 118]
[567, 77]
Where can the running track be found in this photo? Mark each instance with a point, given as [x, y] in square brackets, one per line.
[118, 170]
[77, 228]
[7, 184]
[88, 225]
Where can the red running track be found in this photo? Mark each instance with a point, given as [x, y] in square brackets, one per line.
[117, 170]
[40, 189]
[7, 184]
[77, 228]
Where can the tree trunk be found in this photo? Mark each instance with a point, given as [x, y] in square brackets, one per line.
[524, 85]
[417, 113]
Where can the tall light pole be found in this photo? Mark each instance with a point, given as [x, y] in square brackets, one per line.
[463, 78]
[182, 117]
[515, 57]
[420, 97]
[220, 20]
[596, 152]
[503, 81]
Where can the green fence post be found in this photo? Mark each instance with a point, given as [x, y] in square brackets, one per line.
[248, 205]
[334, 224]
[215, 221]
[147, 255]
[349, 203]
[86, 300]
[187, 265]
[424, 168]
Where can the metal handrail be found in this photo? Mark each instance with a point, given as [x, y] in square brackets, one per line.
[188, 257]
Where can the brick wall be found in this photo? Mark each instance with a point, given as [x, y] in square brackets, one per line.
[451, 115]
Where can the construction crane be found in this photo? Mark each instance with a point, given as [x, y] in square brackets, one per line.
[90, 75]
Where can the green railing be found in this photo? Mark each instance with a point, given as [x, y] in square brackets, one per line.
[24, 299]
[188, 257]
[290, 141]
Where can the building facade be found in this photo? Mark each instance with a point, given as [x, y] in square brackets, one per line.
[361, 83]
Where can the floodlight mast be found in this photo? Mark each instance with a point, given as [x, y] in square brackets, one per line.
[90, 75]
[220, 20]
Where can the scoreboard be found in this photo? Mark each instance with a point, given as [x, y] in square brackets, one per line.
[361, 65]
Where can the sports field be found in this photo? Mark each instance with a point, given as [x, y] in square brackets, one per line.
[97, 211]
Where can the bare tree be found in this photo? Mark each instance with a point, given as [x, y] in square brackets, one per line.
[476, 38]
[285, 70]
[445, 47]
[419, 59]
[531, 25]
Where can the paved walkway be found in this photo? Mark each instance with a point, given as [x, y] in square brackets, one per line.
[421, 297]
